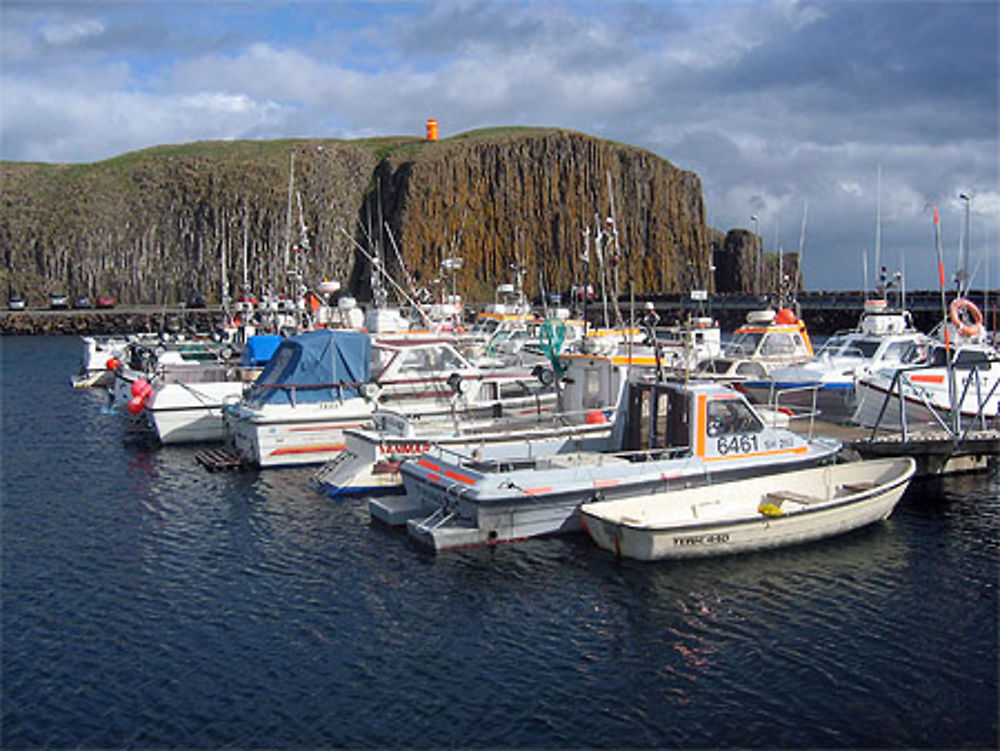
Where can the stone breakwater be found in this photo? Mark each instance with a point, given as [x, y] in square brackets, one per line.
[46, 322]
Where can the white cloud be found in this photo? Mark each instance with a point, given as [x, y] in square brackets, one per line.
[71, 32]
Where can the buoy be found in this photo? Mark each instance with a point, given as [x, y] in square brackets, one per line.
[112, 363]
[597, 417]
[141, 387]
[785, 316]
[135, 405]
[432, 130]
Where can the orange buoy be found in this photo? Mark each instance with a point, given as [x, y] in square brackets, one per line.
[785, 316]
[112, 363]
[432, 130]
[597, 417]
[141, 387]
[135, 405]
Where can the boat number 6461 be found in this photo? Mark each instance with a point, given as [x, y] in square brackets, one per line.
[737, 444]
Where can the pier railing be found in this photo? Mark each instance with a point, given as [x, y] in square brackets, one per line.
[949, 419]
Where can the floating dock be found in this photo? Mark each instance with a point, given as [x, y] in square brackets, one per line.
[220, 458]
[936, 452]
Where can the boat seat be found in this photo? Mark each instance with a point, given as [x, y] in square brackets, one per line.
[858, 487]
[777, 496]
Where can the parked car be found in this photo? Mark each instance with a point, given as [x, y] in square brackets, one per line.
[105, 301]
[16, 302]
[58, 301]
[81, 301]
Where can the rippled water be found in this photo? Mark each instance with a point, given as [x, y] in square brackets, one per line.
[146, 602]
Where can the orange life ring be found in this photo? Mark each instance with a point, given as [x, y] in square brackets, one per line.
[960, 304]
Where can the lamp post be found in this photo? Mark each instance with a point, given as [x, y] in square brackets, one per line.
[963, 252]
[758, 256]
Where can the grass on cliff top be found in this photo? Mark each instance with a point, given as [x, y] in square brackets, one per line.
[49, 177]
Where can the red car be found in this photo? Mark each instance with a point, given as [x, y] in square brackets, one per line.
[105, 301]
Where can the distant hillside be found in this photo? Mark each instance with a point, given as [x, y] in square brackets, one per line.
[154, 225]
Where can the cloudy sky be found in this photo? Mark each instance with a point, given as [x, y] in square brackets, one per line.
[785, 109]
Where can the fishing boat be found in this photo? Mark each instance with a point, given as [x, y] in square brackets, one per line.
[827, 381]
[748, 515]
[667, 434]
[768, 340]
[321, 383]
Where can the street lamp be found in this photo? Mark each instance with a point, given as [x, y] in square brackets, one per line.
[758, 260]
[963, 253]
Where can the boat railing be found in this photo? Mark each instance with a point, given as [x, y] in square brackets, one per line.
[793, 412]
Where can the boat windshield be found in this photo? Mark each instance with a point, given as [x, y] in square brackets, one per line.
[744, 343]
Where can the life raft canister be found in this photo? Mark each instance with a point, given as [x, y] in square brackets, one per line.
[959, 310]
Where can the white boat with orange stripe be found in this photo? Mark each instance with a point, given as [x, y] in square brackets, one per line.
[667, 434]
[959, 368]
[321, 383]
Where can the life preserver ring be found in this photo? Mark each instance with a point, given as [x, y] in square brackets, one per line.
[960, 304]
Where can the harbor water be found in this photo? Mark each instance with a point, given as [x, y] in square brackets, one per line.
[149, 603]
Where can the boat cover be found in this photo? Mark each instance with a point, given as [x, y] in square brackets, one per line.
[260, 348]
[317, 366]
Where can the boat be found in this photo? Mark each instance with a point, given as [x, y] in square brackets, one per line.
[827, 381]
[951, 378]
[667, 434]
[749, 515]
[185, 403]
[768, 340]
[369, 464]
[321, 383]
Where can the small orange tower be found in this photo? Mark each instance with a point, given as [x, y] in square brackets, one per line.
[432, 130]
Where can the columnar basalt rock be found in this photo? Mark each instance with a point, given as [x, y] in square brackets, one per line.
[153, 226]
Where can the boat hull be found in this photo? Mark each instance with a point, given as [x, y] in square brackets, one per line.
[448, 516]
[733, 518]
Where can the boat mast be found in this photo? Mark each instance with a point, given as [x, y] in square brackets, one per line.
[288, 215]
[878, 224]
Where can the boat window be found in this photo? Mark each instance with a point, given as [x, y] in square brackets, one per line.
[728, 416]
[592, 390]
[971, 358]
[430, 361]
[754, 369]
[512, 390]
[939, 356]
[867, 348]
[777, 343]
[833, 345]
[895, 351]
[713, 366]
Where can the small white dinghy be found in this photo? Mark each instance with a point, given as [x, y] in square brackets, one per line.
[753, 514]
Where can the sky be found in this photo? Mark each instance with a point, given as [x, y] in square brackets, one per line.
[787, 110]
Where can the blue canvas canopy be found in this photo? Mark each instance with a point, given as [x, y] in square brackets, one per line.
[260, 348]
[317, 366]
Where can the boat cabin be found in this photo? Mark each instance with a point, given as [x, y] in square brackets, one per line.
[705, 420]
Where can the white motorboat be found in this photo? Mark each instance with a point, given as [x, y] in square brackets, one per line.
[747, 515]
[883, 336]
[370, 461]
[321, 383]
[181, 401]
[768, 340]
[957, 368]
[667, 434]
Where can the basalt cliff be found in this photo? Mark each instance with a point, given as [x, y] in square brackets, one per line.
[156, 225]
